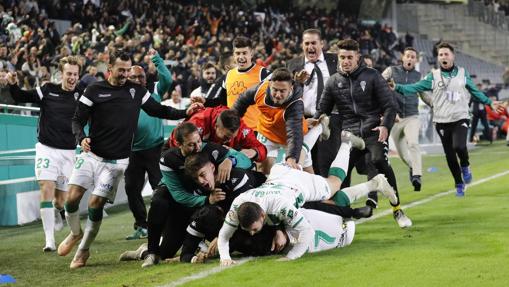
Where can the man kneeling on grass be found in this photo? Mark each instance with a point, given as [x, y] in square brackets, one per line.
[278, 200]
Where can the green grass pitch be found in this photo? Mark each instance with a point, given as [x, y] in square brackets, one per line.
[454, 242]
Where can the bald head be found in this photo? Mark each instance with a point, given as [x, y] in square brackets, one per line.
[137, 75]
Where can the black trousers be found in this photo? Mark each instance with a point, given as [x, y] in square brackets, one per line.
[454, 142]
[168, 219]
[324, 152]
[480, 115]
[377, 161]
[141, 162]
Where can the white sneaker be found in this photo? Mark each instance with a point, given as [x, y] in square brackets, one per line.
[385, 188]
[133, 254]
[150, 260]
[356, 141]
[324, 122]
[402, 220]
[348, 233]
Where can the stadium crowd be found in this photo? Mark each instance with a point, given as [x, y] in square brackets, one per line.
[185, 35]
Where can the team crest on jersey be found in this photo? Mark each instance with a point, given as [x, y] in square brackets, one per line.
[231, 216]
[245, 132]
[76, 95]
[132, 91]
[215, 154]
[200, 130]
[363, 85]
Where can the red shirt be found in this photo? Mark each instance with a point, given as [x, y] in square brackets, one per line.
[205, 121]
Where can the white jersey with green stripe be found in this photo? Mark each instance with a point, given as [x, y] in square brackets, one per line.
[279, 205]
[277, 201]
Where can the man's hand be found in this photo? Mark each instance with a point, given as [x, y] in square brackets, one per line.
[12, 78]
[151, 53]
[201, 257]
[85, 144]
[216, 195]
[227, 262]
[301, 77]
[278, 242]
[391, 84]
[197, 99]
[498, 106]
[312, 122]
[293, 163]
[383, 133]
[193, 108]
[213, 251]
[250, 153]
[172, 260]
[224, 169]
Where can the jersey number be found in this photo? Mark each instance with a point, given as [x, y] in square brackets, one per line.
[42, 163]
[79, 163]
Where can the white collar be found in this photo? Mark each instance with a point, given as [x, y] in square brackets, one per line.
[321, 58]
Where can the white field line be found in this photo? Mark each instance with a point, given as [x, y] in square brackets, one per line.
[205, 273]
[218, 269]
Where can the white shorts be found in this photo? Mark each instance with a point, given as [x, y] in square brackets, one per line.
[54, 164]
[329, 229]
[92, 170]
[273, 151]
[310, 187]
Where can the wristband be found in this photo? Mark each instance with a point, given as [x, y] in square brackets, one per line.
[234, 160]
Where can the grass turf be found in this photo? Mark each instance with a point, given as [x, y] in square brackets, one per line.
[454, 242]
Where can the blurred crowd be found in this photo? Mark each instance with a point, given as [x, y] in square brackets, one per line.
[187, 35]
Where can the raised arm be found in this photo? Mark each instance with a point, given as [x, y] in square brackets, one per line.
[421, 86]
[245, 100]
[163, 74]
[475, 92]
[294, 116]
[155, 109]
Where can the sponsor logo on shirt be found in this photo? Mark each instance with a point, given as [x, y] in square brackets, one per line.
[104, 95]
[54, 95]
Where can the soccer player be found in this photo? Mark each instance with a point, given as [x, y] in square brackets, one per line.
[202, 169]
[178, 197]
[246, 75]
[111, 108]
[146, 151]
[287, 189]
[223, 126]
[281, 121]
[55, 151]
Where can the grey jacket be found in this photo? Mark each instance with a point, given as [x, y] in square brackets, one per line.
[408, 104]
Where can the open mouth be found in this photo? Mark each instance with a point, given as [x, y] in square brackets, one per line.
[445, 63]
[409, 65]
[311, 53]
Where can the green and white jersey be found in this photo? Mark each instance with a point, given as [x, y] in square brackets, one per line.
[279, 205]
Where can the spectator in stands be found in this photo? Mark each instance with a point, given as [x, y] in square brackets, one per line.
[208, 77]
